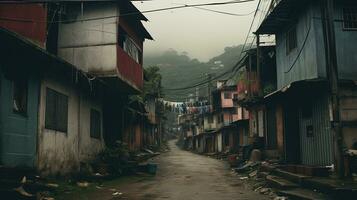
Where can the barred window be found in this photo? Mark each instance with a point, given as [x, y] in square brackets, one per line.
[56, 115]
[350, 18]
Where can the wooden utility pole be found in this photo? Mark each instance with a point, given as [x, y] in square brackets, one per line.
[209, 88]
[258, 62]
[332, 75]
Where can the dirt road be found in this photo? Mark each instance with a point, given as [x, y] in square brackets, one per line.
[186, 176]
[181, 176]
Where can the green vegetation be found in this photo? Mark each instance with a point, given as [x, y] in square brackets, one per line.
[179, 70]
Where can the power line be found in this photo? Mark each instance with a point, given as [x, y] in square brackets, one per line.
[301, 49]
[237, 66]
[131, 13]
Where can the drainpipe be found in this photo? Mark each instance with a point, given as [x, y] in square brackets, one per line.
[332, 75]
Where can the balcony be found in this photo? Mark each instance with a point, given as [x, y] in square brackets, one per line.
[248, 86]
[129, 70]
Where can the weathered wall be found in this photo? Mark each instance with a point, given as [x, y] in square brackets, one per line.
[36, 12]
[311, 63]
[58, 152]
[227, 103]
[316, 147]
[89, 147]
[61, 153]
[219, 141]
[349, 115]
[90, 45]
[306, 65]
[18, 133]
[213, 125]
[280, 128]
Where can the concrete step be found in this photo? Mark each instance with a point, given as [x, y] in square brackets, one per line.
[280, 183]
[295, 178]
[267, 168]
[302, 194]
[262, 174]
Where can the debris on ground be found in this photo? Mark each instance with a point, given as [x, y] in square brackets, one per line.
[253, 174]
[52, 185]
[117, 194]
[83, 184]
[22, 192]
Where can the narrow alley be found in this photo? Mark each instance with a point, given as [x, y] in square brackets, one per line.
[181, 175]
[184, 175]
[182, 100]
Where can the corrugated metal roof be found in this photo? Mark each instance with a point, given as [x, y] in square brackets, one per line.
[284, 12]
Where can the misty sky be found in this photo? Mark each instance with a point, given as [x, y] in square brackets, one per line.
[203, 34]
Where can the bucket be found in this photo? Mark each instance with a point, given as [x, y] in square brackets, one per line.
[151, 168]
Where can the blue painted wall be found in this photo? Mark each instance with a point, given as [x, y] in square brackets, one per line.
[18, 133]
[311, 63]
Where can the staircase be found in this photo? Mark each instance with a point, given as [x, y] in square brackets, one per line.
[303, 187]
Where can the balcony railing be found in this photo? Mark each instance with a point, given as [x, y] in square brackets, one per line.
[129, 69]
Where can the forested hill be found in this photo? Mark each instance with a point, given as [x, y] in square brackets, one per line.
[179, 70]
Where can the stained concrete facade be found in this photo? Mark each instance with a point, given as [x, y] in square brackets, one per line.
[59, 152]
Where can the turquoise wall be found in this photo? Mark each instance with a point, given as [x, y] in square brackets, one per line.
[18, 133]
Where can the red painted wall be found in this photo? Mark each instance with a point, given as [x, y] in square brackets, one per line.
[129, 69]
[28, 20]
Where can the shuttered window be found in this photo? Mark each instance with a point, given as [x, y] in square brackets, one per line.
[95, 124]
[56, 116]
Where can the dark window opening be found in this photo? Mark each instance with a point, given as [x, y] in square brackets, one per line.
[235, 111]
[20, 96]
[95, 124]
[350, 17]
[226, 139]
[306, 111]
[291, 40]
[227, 95]
[309, 131]
[56, 115]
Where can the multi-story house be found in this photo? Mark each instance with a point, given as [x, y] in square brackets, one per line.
[252, 87]
[59, 63]
[303, 96]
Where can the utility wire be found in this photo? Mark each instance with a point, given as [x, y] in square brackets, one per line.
[237, 66]
[301, 49]
[131, 13]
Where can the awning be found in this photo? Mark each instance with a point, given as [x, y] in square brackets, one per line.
[283, 13]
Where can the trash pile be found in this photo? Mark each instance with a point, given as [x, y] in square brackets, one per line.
[117, 160]
[248, 170]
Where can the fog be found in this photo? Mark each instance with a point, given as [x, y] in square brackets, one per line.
[201, 33]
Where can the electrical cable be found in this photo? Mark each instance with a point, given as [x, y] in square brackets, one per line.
[301, 49]
[131, 13]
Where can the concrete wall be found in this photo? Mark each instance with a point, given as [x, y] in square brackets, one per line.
[227, 103]
[214, 125]
[89, 147]
[61, 153]
[219, 141]
[90, 45]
